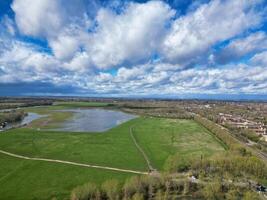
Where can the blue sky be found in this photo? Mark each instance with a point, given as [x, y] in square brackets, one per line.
[173, 48]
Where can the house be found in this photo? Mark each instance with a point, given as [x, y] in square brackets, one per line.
[239, 122]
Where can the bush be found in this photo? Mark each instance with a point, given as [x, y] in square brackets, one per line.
[138, 196]
[251, 195]
[177, 163]
[213, 191]
[111, 189]
[85, 192]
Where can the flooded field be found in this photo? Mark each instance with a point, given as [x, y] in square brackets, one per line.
[26, 120]
[93, 120]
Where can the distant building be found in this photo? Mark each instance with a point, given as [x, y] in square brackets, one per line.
[239, 122]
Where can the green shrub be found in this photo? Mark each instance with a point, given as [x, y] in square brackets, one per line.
[111, 189]
[85, 192]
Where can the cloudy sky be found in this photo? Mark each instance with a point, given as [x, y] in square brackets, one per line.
[172, 48]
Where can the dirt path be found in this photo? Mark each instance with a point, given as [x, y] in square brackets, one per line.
[151, 169]
[73, 163]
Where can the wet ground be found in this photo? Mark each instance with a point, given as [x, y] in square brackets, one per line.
[94, 120]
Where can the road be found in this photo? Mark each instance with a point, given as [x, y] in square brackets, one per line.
[73, 163]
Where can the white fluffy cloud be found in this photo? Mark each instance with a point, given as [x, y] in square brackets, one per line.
[39, 17]
[136, 33]
[22, 62]
[130, 36]
[193, 34]
[46, 18]
[145, 79]
[149, 48]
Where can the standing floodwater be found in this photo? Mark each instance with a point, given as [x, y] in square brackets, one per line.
[26, 120]
[94, 120]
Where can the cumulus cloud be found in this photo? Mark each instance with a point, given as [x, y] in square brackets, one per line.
[24, 62]
[46, 18]
[130, 36]
[143, 79]
[38, 18]
[195, 33]
[136, 48]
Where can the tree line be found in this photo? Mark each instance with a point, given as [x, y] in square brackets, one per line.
[12, 116]
[19, 104]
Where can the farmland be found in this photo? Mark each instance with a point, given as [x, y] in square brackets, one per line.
[159, 138]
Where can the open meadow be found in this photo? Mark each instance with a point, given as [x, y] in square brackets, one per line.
[158, 137]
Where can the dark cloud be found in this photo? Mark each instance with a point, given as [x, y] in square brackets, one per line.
[32, 88]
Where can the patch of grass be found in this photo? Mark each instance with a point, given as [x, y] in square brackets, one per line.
[113, 148]
[32, 180]
[161, 138]
[158, 137]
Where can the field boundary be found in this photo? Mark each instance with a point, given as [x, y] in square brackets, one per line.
[73, 163]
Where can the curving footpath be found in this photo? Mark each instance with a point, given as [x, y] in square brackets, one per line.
[73, 163]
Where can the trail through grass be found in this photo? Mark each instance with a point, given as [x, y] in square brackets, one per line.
[159, 138]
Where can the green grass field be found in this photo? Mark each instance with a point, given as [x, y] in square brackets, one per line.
[163, 137]
[24, 180]
[158, 137]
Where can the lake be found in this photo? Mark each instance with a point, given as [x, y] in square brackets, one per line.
[93, 120]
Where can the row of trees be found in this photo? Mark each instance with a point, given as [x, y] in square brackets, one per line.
[254, 112]
[227, 164]
[220, 132]
[224, 135]
[244, 134]
[136, 188]
[29, 103]
[164, 187]
[176, 113]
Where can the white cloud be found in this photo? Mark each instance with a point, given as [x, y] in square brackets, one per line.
[260, 59]
[134, 34]
[38, 17]
[84, 48]
[46, 18]
[238, 48]
[64, 46]
[130, 36]
[144, 79]
[195, 33]
[23, 62]
[79, 63]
